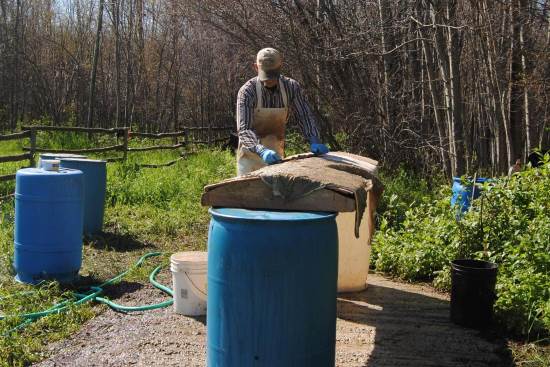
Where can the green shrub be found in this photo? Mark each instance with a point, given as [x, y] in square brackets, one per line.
[509, 225]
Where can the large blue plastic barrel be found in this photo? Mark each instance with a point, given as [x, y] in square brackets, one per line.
[48, 225]
[95, 184]
[271, 288]
[462, 193]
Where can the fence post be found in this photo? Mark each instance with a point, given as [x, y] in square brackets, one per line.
[184, 139]
[209, 134]
[32, 160]
[125, 138]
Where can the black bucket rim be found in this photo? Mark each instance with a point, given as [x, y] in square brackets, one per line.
[458, 264]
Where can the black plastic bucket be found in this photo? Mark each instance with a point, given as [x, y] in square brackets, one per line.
[472, 292]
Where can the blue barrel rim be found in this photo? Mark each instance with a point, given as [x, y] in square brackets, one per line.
[263, 215]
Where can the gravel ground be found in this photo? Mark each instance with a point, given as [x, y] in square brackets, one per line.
[389, 324]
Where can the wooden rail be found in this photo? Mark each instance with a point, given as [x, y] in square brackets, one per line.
[119, 147]
[15, 158]
[16, 136]
[7, 177]
[174, 134]
[183, 156]
[191, 135]
[156, 147]
[75, 129]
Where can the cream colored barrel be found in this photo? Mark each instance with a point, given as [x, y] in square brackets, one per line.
[353, 254]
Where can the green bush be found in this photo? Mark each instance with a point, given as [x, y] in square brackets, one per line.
[509, 225]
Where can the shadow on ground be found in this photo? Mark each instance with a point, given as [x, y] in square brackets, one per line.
[116, 242]
[413, 329]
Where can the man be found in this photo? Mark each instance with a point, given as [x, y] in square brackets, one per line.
[515, 168]
[263, 106]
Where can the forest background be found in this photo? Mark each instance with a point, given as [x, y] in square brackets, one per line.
[438, 86]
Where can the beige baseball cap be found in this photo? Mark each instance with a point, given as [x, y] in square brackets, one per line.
[269, 62]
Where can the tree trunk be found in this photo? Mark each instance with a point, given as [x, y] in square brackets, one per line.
[91, 100]
[116, 14]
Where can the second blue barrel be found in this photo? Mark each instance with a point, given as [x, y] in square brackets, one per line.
[44, 156]
[271, 288]
[48, 225]
[463, 194]
[95, 184]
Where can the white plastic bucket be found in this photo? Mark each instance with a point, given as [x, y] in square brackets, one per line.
[189, 281]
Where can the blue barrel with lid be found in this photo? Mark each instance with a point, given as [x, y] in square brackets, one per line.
[48, 225]
[95, 185]
[271, 288]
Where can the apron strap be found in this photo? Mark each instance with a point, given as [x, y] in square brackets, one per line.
[283, 93]
[259, 93]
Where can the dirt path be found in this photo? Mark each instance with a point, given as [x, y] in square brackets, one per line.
[389, 324]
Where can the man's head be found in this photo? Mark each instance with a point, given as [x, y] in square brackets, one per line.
[268, 65]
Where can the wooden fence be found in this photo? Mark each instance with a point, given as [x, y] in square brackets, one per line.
[180, 139]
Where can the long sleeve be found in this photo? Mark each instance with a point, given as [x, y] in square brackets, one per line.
[245, 109]
[304, 115]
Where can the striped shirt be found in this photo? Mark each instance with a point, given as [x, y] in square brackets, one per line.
[246, 103]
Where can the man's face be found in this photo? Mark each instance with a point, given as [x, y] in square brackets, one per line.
[270, 83]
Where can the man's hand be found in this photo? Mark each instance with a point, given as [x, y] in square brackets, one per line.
[269, 156]
[316, 147]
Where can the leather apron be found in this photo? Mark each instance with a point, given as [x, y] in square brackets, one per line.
[269, 124]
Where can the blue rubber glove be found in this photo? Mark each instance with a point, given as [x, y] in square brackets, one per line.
[269, 156]
[317, 147]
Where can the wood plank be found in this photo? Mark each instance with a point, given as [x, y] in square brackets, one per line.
[156, 147]
[75, 129]
[159, 135]
[7, 177]
[204, 128]
[15, 158]
[237, 194]
[14, 136]
[119, 147]
[212, 141]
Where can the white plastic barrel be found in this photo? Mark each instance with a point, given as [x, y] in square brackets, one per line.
[189, 281]
[354, 253]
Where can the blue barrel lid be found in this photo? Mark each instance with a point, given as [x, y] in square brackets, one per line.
[40, 172]
[271, 215]
[41, 183]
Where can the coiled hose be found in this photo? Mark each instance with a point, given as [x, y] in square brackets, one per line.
[94, 295]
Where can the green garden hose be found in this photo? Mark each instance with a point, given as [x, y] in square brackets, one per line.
[94, 295]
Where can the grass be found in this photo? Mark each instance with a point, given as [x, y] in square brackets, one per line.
[147, 209]
[530, 354]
